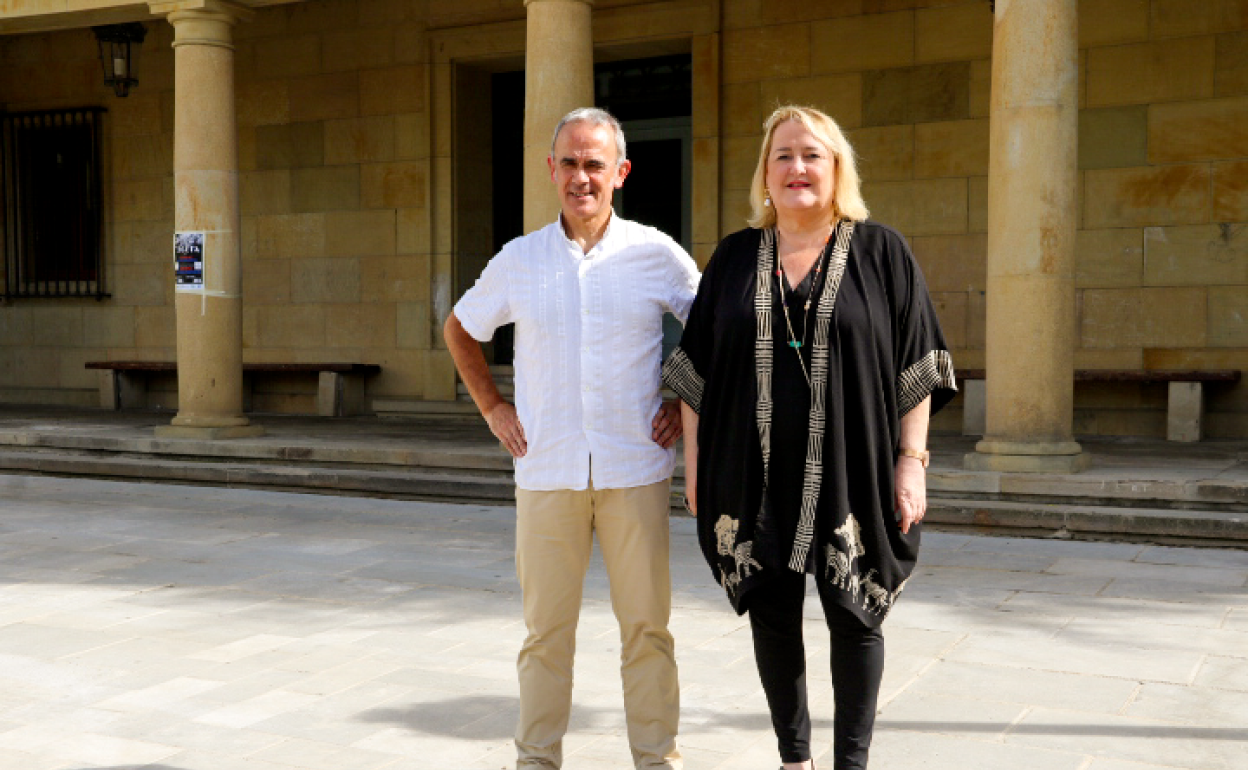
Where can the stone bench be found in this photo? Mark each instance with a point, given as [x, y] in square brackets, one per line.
[340, 388]
[1186, 409]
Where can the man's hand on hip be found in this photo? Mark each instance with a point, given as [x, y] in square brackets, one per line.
[666, 424]
[506, 426]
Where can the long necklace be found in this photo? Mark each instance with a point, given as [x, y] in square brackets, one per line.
[781, 279]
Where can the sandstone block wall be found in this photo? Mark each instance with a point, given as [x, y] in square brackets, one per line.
[44, 343]
[333, 130]
[1162, 257]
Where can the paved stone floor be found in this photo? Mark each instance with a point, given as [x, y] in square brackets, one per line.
[187, 628]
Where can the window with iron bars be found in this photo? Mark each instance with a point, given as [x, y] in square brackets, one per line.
[52, 225]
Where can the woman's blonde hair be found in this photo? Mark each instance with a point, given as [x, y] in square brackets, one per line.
[847, 202]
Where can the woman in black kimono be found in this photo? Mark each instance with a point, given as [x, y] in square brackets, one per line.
[808, 370]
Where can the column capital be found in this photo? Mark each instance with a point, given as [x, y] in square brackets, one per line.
[202, 22]
[527, 3]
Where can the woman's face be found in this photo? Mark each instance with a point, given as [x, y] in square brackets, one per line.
[801, 173]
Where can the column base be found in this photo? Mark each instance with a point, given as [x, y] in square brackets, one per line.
[1027, 457]
[209, 433]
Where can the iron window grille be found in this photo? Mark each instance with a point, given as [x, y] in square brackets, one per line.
[52, 224]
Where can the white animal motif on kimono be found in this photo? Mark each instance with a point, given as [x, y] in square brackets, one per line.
[726, 535]
[852, 533]
[839, 564]
[875, 593]
[745, 562]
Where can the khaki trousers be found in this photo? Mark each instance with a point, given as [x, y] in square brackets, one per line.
[554, 539]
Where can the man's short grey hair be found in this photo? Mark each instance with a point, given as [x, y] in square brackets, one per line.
[594, 117]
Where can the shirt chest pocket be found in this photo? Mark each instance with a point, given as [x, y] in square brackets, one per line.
[554, 304]
[628, 300]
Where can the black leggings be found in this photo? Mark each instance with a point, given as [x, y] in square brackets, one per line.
[775, 609]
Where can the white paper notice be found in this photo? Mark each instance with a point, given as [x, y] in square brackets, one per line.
[188, 261]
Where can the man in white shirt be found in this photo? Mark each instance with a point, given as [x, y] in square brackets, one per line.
[589, 433]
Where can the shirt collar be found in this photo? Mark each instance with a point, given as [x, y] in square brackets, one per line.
[575, 247]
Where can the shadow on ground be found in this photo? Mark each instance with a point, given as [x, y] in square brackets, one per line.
[1109, 731]
[496, 717]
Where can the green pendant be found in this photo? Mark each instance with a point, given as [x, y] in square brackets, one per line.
[794, 344]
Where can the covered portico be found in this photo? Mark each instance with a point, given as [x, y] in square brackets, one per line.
[325, 151]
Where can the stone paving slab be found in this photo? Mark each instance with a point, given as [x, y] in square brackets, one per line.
[184, 628]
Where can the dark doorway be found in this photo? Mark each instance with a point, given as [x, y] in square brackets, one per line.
[507, 119]
[652, 98]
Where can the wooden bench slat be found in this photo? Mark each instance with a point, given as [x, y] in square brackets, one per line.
[343, 368]
[134, 366]
[170, 366]
[1157, 375]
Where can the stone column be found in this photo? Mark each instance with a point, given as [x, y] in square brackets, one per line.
[558, 78]
[1031, 235]
[205, 181]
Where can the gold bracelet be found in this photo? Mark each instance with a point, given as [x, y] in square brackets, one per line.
[922, 456]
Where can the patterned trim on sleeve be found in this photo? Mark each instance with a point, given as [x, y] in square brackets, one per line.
[932, 371]
[680, 376]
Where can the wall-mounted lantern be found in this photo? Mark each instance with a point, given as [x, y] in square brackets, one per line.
[119, 54]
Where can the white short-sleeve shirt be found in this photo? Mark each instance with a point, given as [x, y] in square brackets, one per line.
[589, 338]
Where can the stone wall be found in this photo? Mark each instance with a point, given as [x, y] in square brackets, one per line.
[44, 343]
[1162, 247]
[333, 130]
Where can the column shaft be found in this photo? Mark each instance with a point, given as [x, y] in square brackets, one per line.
[1031, 323]
[205, 178]
[558, 78]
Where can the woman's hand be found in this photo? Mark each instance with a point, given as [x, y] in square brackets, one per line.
[909, 475]
[666, 426]
[910, 483]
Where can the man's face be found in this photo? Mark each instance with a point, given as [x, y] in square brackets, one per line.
[584, 170]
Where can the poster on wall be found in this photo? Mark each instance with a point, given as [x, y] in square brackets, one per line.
[188, 261]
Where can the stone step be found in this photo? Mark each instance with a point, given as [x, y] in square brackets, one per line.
[1162, 525]
[487, 457]
[490, 482]
[424, 484]
[1133, 490]
[1098, 487]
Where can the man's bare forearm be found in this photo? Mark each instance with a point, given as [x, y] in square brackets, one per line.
[470, 361]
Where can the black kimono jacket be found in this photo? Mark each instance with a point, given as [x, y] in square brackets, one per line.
[877, 352]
